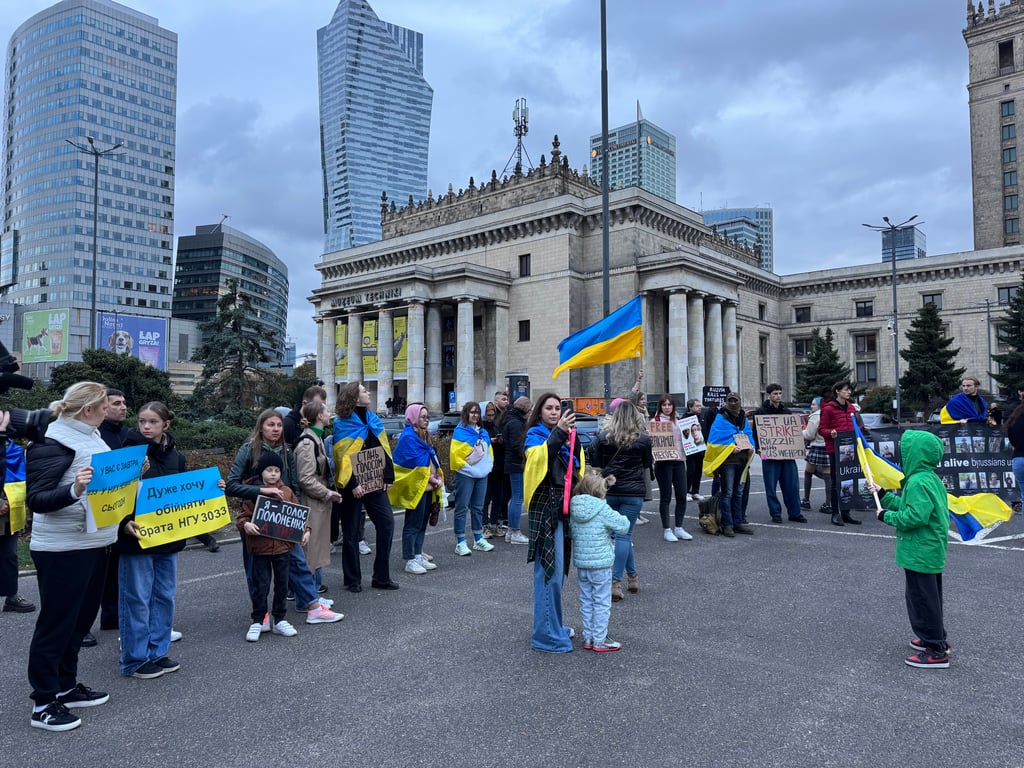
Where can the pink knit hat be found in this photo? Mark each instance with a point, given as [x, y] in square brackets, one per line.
[616, 403]
[412, 413]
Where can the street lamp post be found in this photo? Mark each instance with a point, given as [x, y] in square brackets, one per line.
[96, 155]
[892, 229]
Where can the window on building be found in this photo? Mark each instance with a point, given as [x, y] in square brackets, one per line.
[1010, 155]
[802, 347]
[1010, 179]
[1006, 57]
[1004, 334]
[762, 310]
[867, 372]
[524, 330]
[865, 308]
[932, 298]
[478, 322]
[865, 343]
[1011, 226]
[1005, 294]
[1009, 132]
[803, 314]
[1006, 108]
[1010, 202]
[524, 265]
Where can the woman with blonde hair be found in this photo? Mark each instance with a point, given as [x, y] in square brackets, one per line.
[69, 552]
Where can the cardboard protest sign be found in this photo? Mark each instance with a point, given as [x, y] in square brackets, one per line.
[175, 507]
[280, 519]
[663, 443]
[110, 495]
[779, 436]
[693, 436]
[742, 441]
[369, 466]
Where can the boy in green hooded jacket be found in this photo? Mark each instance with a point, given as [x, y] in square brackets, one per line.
[920, 515]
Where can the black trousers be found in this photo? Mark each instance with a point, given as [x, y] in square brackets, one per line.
[924, 608]
[8, 559]
[267, 568]
[70, 587]
[694, 472]
[836, 489]
[496, 500]
[378, 508]
[110, 601]
[671, 476]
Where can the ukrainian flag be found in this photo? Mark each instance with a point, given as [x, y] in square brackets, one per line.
[412, 459]
[616, 337]
[349, 437]
[535, 446]
[961, 407]
[14, 485]
[464, 438]
[721, 441]
[884, 473]
[976, 514]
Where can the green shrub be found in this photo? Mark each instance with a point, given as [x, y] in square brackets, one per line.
[207, 435]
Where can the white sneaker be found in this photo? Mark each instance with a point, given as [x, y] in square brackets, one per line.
[669, 536]
[364, 548]
[284, 628]
[698, 497]
[321, 615]
[641, 520]
[265, 626]
[425, 557]
[426, 564]
[326, 602]
[414, 566]
[254, 633]
[482, 545]
[176, 635]
[682, 535]
[462, 549]
[515, 537]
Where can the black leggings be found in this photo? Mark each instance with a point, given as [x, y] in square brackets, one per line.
[671, 475]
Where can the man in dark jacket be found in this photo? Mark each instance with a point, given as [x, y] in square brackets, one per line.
[779, 471]
[513, 425]
[112, 430]
[293, 421]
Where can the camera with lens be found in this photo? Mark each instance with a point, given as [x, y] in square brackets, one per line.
[26, 424]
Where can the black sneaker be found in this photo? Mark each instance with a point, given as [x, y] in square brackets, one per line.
[167, 664]
[18, 604]
[917, 645]
[743, 528]
[291, 595]
[930, 659]
[798, 519]
[149, 670]
[322, 589]
[89, 640]
[805, 504]
[83, 696]
[55, 717]
[728, 531]
[825, 509]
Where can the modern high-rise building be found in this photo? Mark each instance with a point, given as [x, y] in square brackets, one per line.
[216, 254]
[995, 56]
[374, 121]
[640, 154]
[911, 243]
[81, 78]
[735, 222]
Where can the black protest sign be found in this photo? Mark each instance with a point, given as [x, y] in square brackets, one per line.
[714, 395]
[278, 519]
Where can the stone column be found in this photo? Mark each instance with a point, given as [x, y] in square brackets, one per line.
[500, 348]
[732, 373]
[647, 361]
[385, 357]
[695, 344]
[714, 371]
[677, 349]
[326, 331]
[464, 352]
[415, 378]
[355, 347]
[432, 390]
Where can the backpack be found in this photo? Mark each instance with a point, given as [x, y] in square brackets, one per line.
[710, 517]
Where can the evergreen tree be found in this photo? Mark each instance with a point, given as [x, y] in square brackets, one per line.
[140, 382]
[1011, 333]
[822, 370]
[931, 363]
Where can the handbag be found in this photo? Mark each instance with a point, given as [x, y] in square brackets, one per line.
[710, 517]
[476, 454]
[435, 511]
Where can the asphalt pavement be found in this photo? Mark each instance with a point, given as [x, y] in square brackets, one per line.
[784, 648]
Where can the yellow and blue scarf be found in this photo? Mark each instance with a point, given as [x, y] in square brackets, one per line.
[413, 459]
[14, 485]
[350, 437]
[537, 460]
[464, 438]
[721, 442]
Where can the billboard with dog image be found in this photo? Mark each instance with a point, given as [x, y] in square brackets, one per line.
[141, 337]
[45, 336]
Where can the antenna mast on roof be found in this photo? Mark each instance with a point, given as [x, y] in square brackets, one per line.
[521, 118]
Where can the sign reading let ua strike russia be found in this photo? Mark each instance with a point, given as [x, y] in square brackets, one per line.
[115, 480]
[174, 507]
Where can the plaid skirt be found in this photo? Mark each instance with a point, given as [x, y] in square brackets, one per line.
[817, 455]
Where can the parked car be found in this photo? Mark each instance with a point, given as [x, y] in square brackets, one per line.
[446, 424]
[393, 425]
[877, 420]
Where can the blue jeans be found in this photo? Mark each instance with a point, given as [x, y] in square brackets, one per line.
[784, 472]
[629, 506]
[300, 578]
[414, 530]
[731, 494]
[146, 585]
[549, 634]
[595, 601]
[515, 503]
[469, 495]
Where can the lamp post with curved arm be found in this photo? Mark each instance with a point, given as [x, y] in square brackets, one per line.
[96, 153]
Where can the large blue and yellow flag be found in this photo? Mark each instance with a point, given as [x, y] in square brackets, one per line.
[976, 514]
[884, 473]
[14, 485]
[349, 437]
[464, 439]
[961, 407]
[535, 446]
[413, 459]
[721, 444]
[614, 338]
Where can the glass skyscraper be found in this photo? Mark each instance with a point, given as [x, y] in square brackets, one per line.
[86, 69]
[735, 222]
[374, 121]
[641, 155]
[911, 243]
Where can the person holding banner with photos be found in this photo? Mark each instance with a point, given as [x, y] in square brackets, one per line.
[69, 553]
[837, 414]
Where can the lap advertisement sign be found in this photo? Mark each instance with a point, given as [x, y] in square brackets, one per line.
[141, 337]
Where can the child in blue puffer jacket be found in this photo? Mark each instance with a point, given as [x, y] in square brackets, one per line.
[593, 550]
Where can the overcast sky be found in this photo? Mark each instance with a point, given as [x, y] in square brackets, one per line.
[833, 112]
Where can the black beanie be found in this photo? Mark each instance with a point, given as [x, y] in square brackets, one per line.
[269, 459]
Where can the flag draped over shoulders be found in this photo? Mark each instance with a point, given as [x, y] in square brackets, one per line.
[960, 406]
[14, 485]
[535, 447]
[721, 440]
[464, 438]
[616, 337]
[413, 459]
[350, 436]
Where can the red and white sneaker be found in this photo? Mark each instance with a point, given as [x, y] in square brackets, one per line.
[917, 645]
[928, 660]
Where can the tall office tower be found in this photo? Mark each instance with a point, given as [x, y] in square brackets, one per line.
[82, 77]
[374, 121]
[641, 155]
[216, 254]
[911, 243]
[737, 222]
[995, 57]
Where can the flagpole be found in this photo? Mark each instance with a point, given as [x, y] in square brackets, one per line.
[606, 290]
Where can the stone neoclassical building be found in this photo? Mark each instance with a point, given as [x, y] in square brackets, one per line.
[483, 283]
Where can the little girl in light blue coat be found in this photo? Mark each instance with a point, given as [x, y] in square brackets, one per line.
[593, 551]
